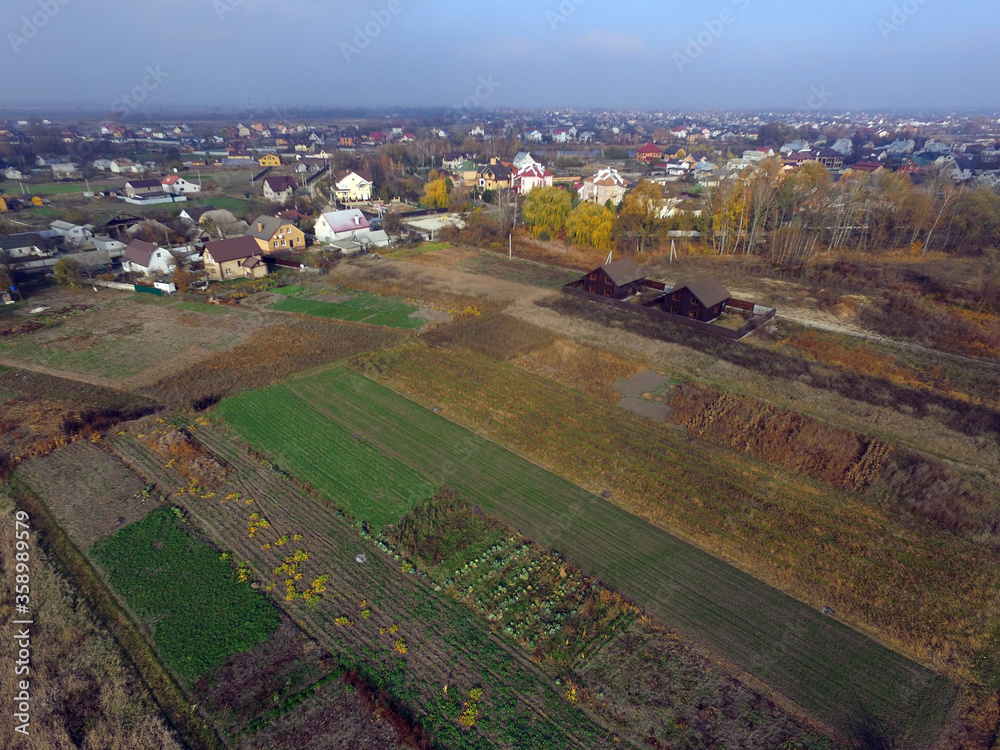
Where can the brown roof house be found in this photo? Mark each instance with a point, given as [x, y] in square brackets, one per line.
[618, 280]
[606, 185]
[238, 258]
[142, 257]
[701, 300]
[279, 189]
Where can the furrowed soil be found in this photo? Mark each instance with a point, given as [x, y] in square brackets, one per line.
[818, 662]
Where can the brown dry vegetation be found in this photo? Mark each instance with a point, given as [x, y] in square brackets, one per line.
[928, 594]
[85, 693]
[805, 445]
[580, 366]
[499, 335]
[268, 356]
[384, 278]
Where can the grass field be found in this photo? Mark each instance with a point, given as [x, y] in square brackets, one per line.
[367, 484]
[821, 664]
[199, 613]
[237, 205]
[363, 308]
[289, 290]
[63, 188]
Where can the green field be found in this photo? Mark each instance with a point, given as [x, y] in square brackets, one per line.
[820, 663]
[363, 308]
[289, 290]
[176, 584]
[427, 247]
[64, 188]
[237, 205]
[369, 485]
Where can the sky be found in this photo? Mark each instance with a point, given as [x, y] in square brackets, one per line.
[132, 56]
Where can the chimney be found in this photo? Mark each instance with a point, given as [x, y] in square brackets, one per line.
[260, 226]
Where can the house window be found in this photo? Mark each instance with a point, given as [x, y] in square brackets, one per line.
[692, 314]
[676, 297]
[695, 303]
[674, 309]
[607, 293]
[592, 288]
[593, 277]
[229, 272]
[607, 282]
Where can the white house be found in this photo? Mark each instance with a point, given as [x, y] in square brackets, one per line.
[353, 186]
[606, 185]
[126, 166]
[114, 248]
[177, 185]
[530, 177]
[73, 234]
[341, 225]
[523, 159]
[279, 189]
[13, 174]
[151, 260]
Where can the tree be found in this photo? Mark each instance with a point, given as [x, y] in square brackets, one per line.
[67, 272]
[989, 275]
[546, 210]
[591, 225]
[183, 278]
[436, 193]
[640, 214]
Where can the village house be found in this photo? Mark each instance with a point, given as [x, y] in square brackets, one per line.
[269, 160]
[135, 188]
[73, 234]
[353, 186]
[648, 154]
[618, 280]
[606, 185]
[530, 177]
[349, 224]
[279, 189]
[237, 258]
[495, 175]
[273, 234]
[176, 185]
[702, 300]
[145, 258]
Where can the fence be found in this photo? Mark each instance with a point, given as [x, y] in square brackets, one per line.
[657, 314]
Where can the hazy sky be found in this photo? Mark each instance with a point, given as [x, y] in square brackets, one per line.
[754, 54]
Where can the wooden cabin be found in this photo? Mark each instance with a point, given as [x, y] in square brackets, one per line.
[702, 300]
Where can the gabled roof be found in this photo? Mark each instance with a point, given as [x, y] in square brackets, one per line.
[17, 241]
[623, 271]
[280, 183]
[237, 248]
[608, 177]
[196, 212]
[532, 170]
[348, 220]
[140, 253]
[651, 148]
[343, 174]
[265, 227]
[708, 291]
[144, 183]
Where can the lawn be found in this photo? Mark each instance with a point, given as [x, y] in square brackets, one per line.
[369, 485]
[237, 205]
[820, 663]
[362, 308]
[180, 588]
[63, 188]
[289, 290]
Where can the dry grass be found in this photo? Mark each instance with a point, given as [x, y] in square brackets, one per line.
[268, 356]
[498, 335]
[805, 445]
[580, 366]
[85, 693]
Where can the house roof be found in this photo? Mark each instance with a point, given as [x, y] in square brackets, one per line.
[17, 241]
[608, 177]
[348, 220]
[343, 174]
[708, 291]
[650, 148]
[144, 183]
[237, 248]
[170, 179]
[532, 170]
[623, 271]
[196, 212]
[280, 183]
[140, 253]
[265, 227]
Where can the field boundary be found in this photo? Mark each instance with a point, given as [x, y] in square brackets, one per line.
[166, 692]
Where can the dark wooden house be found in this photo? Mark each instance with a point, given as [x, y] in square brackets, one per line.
[618, 280]
[701, 300]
